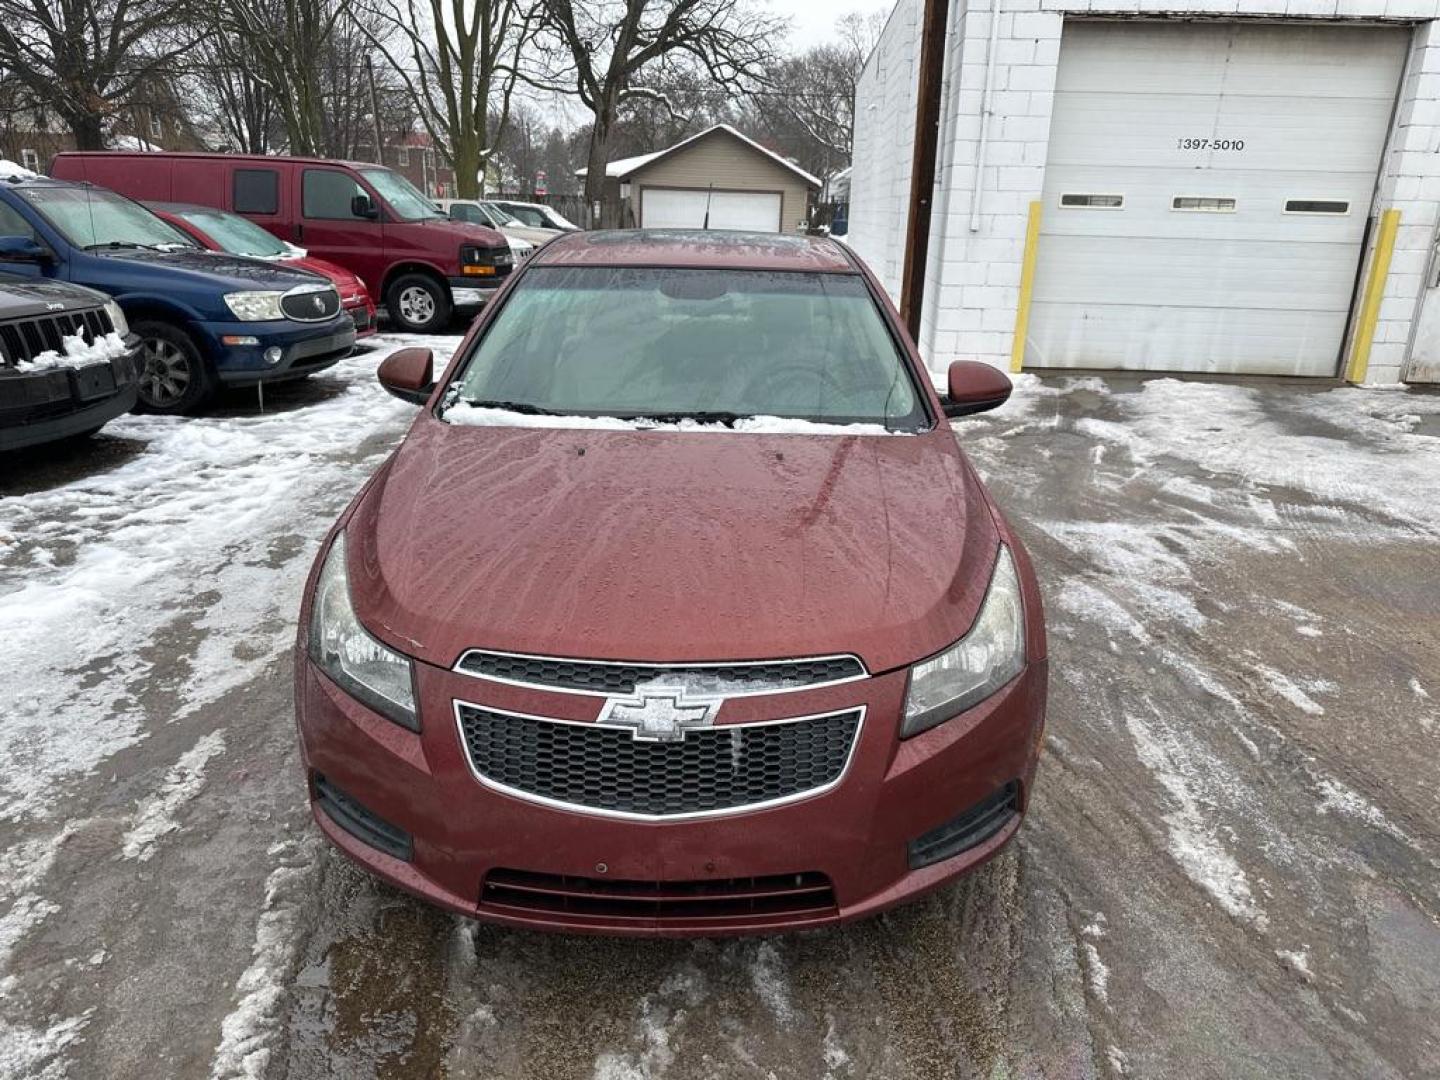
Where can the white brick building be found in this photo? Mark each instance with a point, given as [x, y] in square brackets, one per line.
[1213, 180]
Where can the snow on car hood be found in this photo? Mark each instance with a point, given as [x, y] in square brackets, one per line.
[660, 545]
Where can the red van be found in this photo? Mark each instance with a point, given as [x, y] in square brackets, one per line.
[368, 219]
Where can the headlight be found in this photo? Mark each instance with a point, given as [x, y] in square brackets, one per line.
[364, 668]
[255, 306]
[117, 318]
[977, 665]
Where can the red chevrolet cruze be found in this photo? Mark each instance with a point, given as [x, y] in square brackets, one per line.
[679, 610]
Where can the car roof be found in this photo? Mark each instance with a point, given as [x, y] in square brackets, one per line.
[696, 247]
[241, 159]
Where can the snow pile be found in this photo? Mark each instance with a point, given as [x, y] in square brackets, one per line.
[11, 171]
[480, 416]
[78, 353]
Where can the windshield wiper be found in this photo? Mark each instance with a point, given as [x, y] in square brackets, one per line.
[522, 407]
[120, 245]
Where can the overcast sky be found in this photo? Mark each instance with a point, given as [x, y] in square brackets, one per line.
[812, 22]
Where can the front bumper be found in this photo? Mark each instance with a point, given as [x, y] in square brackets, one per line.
[474, 291]
[43, 406]
[462, 836]
[362, 314]
[305, 348]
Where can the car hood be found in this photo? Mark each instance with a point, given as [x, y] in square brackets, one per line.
[342, 279]
[670, 546]
[231, 271]
[463, 231]
[21, 297]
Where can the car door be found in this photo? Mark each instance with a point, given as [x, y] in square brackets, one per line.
[329, 228]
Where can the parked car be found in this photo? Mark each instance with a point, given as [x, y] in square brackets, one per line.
[370, 220]
[68, 362]
[204, 319]
[679, 609]
[483, 212]
[220, 230]
[536, 215]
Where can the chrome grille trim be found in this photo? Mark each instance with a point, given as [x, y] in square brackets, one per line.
[580, 808]
[661, 670]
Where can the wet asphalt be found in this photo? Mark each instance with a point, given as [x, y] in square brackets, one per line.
[1231, 867]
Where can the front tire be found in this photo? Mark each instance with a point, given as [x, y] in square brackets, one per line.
[174, 376]
[418, 303]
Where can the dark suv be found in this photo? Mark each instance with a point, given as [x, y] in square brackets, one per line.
[68, 362]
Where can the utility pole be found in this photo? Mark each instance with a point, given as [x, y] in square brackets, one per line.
[374, 109]
[922, 167]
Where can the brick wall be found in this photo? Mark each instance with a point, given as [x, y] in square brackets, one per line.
[973, 276]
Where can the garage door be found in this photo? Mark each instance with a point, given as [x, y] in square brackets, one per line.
[1206, 193]
[685, 208]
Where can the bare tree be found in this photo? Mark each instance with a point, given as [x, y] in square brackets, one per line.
[84, 58]
[231, 98]
[285, 42]
[605, 49]
[458, 61]
[807, 108]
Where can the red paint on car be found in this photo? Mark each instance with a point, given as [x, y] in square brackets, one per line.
[772, 596]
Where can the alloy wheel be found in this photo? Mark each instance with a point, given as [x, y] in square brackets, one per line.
[167, 373]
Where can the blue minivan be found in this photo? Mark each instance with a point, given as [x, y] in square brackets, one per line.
[204, 318]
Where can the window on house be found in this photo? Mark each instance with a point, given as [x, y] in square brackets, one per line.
[156, 128]
[256, 191]
[404, 157]
[1087, 201]
[30, 159]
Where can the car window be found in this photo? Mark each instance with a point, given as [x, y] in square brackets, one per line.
[467, 212]
[91, 217]
[326, 194]
[528, 215]
[498, 215]
[256, 191]
[633, 342]
[13, 223]
[235, 234]
[405, 199]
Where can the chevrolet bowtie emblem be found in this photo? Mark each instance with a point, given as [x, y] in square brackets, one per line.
[660, 713]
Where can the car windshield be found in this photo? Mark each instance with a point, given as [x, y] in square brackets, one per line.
[405, 199]
[527, 216]
[675, 344]
[498, 215]
[557, 220]
[236, 234]
[94, 218]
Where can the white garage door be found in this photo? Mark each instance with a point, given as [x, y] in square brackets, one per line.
[685, 208]
[1206, 193]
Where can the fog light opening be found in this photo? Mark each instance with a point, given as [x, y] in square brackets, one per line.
[273, 354]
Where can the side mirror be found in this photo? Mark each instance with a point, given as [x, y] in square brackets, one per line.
[362, 207]
[974, 387]
[409, 374]
[24, 249]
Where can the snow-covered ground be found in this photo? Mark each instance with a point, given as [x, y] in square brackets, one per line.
[1231, 866]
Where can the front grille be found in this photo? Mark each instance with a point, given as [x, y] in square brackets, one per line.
[605, 769]
[25, 339]
[306, 304]
[792, 895]
[603, 677]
